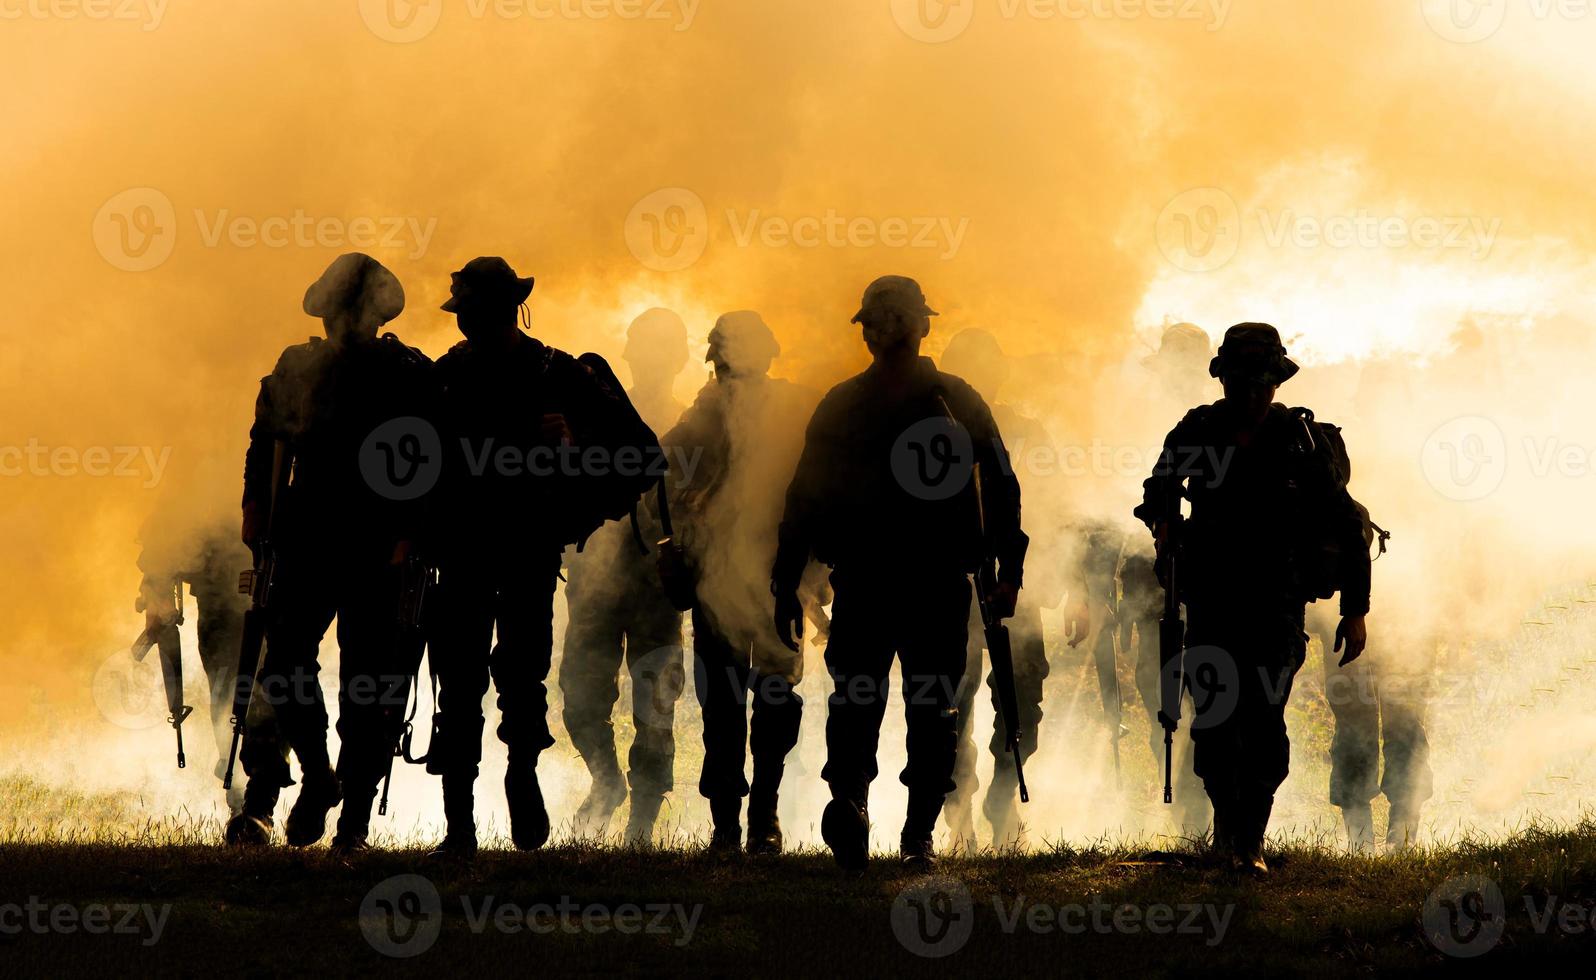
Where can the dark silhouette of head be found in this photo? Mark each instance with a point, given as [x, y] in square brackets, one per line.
[1252, 363]
[975, 356]
[486, 298]
[354, 297]
[741, 345]
[894, 316]
[656, 348]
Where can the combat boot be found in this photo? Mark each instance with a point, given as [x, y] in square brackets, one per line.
[914, 845]
[459, 811]
[1402, 828]
[603, 798]
[916, 853]
[764, 827]
[1251, 821]
[353, 830]
[640, 821]
[252, 825]
[307, 821]
[1359, 820]
[959, 813]
[726, 813]
[845, 827]
[529, 818]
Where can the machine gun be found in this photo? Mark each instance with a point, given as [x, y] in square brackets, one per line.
[257, 583]
[1171, 628]
[416, 579]
[998, 647]
[165, 636]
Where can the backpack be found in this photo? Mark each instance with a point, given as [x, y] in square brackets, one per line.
[632, 460]
[1332, 533]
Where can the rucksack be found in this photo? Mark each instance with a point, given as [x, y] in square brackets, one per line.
[612, 432]
[1332, 532]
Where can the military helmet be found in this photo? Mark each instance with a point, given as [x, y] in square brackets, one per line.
[973, 354]
[744, 341]
[898, 293]
[658, 334]
[1253, 350]
[356, 283]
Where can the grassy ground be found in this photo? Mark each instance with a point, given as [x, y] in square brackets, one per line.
[187, 906]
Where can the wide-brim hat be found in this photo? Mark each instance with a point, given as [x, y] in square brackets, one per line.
[356, 282]
[898, 293]
[1181, 343]
[744, 340]
[487, 281]
[1254, 350]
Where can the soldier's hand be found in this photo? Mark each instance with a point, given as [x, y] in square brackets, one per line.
[251, 528]
[556, 431]
[1353, 634]
[1078, 621]
[154, 622]
[789, 620]
[1003, 599]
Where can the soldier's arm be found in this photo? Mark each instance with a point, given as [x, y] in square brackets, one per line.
[1000, 491]
[263, 435]
[1166, 473]
[805, 496]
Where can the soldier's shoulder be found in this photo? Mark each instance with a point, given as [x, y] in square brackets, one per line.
[454, 355]
[402, 354]
[298, 358]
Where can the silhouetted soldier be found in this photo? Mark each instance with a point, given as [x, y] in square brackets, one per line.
[618, 611]
[179, 549]
[739, 433]
[518, 420]
[975, 356]
[341, 539]
[1256, 492]
[883, 494]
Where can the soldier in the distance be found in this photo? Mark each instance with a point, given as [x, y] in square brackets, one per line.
[975, 356]
[341, 538]
[742, 446]
[619, 613]
[1257, 489]
[884, 496]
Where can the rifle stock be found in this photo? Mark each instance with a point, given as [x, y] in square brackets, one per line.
[416, 579]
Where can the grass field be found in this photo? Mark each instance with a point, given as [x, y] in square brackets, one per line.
[165, 898]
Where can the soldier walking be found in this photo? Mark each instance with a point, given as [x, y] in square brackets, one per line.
[618, 614]
[884, 495]
[739, 436]
[1263, 495]
[341, 540]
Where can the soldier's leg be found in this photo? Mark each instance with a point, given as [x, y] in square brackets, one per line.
[720, 682]
[520, 666]
[773, 733]
[933, 655]
[859, 659]
[220, 631]
[1269, 663]
[1030, 676]
[461, 636]
[374, 686]
[1408, 781]
[594, 647]
[1354, 744]
[959, 809]
[654, 658]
